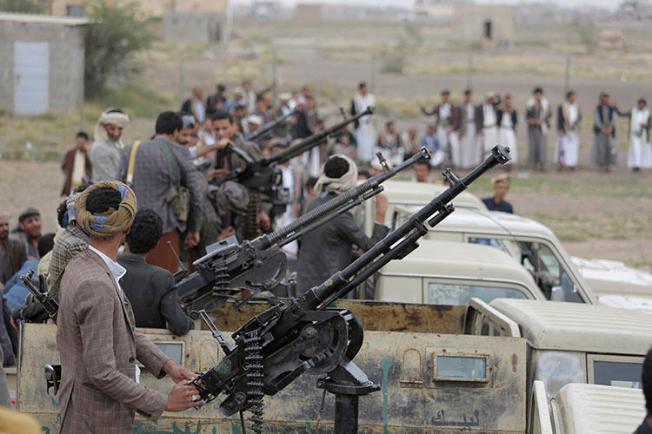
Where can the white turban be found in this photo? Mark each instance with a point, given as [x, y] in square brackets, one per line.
[341, 184]
[109, 117]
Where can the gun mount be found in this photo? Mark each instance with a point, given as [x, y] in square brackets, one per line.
[263, 175]
[260, 264]
[301, 335]
[264, 131]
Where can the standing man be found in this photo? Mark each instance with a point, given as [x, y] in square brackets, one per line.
[568, 125]
[249, 95]
[365, 132]
[98, 343]
[469, 151]
[507, 120]
[640, 154]
[107, 147]
[76, 164]
[329, 247]
[195, 105]
[166, 181]
[28, 231]
[604, 127]
[150, 289]
[538, 122]
[445, 124]
[497, 202]
[216, 101]
[12, 252]
[486, 120]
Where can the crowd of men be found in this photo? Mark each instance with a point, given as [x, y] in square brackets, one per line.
[465, 133]
[132, 215]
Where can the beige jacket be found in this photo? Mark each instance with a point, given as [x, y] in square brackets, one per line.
[99, 349]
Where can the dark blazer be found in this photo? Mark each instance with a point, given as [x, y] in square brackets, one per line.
[499, 118]
[329, 248]
[150, 290]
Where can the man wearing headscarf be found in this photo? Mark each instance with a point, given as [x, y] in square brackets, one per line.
[329, 248]
[107, 146]
[98, 343]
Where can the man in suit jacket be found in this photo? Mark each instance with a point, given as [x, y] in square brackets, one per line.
[329, 248]
[150, 289]
[162, 167]
[76, 164]
[100, 348]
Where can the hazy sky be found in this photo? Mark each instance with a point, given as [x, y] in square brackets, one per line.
[612, 4]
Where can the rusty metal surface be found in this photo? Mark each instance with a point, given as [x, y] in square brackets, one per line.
[374, 315]
[409, 401]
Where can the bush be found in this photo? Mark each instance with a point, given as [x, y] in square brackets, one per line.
[116, 33]
[22, 6]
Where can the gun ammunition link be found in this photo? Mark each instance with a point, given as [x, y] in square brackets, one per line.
[253, 366]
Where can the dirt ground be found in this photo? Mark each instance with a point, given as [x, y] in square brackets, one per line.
[600, 216]
[595, 215]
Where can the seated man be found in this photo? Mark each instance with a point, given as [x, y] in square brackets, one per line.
[329, 247]
[497, 202]
[149, 288]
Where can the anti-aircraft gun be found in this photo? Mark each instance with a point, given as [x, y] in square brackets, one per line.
[263, 176]
[260, 264]
[264, 131]
[302, 335]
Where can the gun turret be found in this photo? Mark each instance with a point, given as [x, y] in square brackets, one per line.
[301, 335]
[41, 293]
[264, 177]
[260, 264]
[263, 132]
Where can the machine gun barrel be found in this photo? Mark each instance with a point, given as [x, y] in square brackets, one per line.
[349, 199]
[49, 304]
[269, 126]
[402, 240]
[299, 335]
[312, 141]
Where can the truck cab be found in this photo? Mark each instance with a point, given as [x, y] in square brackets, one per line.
[530, 243]
[448, 273]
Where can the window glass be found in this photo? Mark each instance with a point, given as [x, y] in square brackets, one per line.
[549, 274]
[620, 374]
[463, 368]
[487, 241]
[459, 295]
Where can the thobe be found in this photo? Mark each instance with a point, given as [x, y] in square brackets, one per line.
[507, 133]
[640, 150]
[469, 154]
[365, 133]
[538, 134]
[568, 146]
[489, 128]
[604, 151]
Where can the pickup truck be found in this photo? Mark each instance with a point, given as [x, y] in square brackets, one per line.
[482, 368]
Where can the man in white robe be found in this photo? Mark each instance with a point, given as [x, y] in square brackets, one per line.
[640, 150]
[568, 122]
[469, 150]
[365, 132]
[487, 122]
[445, 114]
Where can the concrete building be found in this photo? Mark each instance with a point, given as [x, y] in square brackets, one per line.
[484, 23]
[42, 67]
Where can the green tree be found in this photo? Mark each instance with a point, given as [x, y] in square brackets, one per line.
[115, 34]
